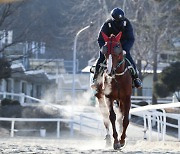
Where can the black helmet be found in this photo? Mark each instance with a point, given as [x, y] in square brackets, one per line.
[117, 14]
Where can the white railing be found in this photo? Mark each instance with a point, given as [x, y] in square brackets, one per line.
[13, 120]
[150, 115]
[80, 121]
[23, 99]
[87, 121]
[148, 99]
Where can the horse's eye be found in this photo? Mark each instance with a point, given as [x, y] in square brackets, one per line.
[117, 46]
[117, 49]
[104, 49]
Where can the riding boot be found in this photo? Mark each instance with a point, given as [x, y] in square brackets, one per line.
[134, 73]
[97, 70]
[136, 79]
[94, 84]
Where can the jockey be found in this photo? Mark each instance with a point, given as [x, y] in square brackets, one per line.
[118, 23]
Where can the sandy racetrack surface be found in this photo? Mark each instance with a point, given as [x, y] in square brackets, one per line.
[86, 144]
[48, 146]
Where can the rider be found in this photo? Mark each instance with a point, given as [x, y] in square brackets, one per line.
[118, 23]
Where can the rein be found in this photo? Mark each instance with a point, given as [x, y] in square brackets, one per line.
[130, 67]
[118, 65]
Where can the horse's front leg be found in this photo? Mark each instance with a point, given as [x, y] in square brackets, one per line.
[105, 114]
[120, 117]
[112, 118]
[126, 108]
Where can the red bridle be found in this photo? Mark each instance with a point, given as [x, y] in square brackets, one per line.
[112, 42]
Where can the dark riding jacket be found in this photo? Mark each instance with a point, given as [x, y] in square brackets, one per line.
[113, 27]
[127, 39]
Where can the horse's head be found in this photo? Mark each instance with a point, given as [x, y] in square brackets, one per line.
[113, 51]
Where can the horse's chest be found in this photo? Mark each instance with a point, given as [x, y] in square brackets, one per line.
[108, 86]
[111, 88]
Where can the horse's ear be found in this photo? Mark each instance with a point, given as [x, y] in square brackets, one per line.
[105, 37]
[118, 36]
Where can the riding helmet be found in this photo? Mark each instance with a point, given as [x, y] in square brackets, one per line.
[117, 14]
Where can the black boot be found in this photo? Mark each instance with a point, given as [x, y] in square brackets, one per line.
[94, 84]
[136, 79]
[98, 70]
[137, 83]
[134, 71]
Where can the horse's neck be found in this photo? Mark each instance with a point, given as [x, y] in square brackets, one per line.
[121, 68]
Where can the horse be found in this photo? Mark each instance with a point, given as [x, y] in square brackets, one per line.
[114, 85]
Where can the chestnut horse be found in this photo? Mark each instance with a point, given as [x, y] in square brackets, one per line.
[115, 85]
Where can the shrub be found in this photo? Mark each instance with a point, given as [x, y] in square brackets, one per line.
[161, 89]
[7, 101]
[41, 112]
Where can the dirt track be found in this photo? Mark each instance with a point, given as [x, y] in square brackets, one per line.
[52, 146]
[86, 144]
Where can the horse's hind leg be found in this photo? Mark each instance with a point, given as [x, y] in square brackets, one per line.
[126, 108]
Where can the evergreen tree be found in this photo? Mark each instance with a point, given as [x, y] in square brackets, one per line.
[169, 81]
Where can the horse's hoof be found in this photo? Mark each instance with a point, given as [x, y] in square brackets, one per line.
[117, 146]
[108, 140]
[122, 144]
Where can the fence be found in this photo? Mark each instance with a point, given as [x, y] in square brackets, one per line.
[148, 99]
[147, 112]
[72, 122]
[13, 120]
[150, 115]
[23, 99]
[90, 123]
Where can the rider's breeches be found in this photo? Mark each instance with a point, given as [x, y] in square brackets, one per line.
[128, 56]
[100, 60]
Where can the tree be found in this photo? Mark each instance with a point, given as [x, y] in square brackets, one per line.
[156, 23]
[8, 12]
[169, 81]
[20, 31]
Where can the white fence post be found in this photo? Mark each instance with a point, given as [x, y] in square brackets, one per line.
[145, 127]
[158, 130]
[153, 120]
[164, 126]
[149, 127]
[12, 128]
[22, 98]
[161, 125]
[58, 129]
[4, 95]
